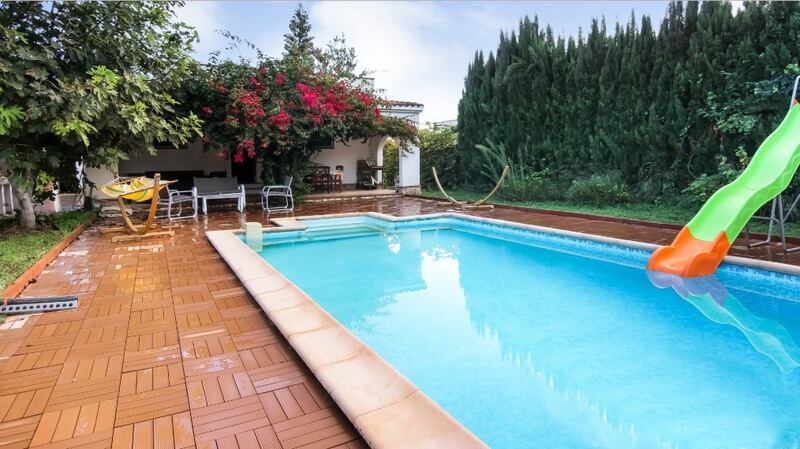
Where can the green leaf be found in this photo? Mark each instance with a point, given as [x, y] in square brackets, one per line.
[10, 117]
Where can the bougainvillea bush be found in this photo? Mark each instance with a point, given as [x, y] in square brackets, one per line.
[280, 110]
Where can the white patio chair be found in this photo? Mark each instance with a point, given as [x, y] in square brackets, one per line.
[282, 193]
[177, 198]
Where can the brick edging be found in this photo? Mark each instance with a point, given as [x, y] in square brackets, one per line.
[30, 274]
[631, 221]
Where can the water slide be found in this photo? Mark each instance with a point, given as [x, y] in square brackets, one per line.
[702, 244]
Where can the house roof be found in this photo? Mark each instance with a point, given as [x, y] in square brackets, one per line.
[402, 104]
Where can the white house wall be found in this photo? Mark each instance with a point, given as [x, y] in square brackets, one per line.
[408, 172]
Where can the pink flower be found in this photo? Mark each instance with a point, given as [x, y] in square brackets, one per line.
[207, 110]
[249, 99]
[222, 154]
[310, 99]
[365, 98]
[281, 120]
[238, 157]
[280, 78]
[316, 118]
[251, 115]
[245, 145]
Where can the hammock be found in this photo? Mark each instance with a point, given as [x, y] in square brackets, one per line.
[479, 203]
[139, 189]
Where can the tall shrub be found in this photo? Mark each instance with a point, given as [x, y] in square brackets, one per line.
[658, 104]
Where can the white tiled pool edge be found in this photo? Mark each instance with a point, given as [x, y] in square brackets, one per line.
[387, 409]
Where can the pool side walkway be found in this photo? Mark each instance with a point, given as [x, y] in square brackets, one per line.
[168, 350]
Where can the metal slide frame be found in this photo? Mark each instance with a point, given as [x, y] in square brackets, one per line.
[778, 215]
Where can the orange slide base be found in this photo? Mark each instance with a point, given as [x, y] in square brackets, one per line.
[690, 257]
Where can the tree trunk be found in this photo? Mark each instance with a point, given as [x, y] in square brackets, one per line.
[27, 220]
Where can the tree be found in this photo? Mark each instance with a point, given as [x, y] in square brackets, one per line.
[280, 111]
[298, 42]
[87, 82]
[655, 109]
[438, 149]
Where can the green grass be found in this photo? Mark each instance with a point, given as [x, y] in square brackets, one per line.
[672, 213]
[21, 249]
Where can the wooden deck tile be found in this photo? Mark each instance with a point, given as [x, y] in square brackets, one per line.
[151, 403]
[321, 429]
[17, 434]
[277, 376]
[87, 425]
[31, 360]
[228, 419]
[23, 405]
[29, 380]
[50, 337]
[207, 343]
[151, 321]
[259, 336]
[205, 367]
[100, 341]
[151, 350]
[247, 324]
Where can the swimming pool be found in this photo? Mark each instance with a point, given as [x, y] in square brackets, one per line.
[538, 340]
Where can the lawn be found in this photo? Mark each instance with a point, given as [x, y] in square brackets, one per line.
[19, 250]
[672, 213]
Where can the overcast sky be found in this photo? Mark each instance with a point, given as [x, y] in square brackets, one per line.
[418, 51]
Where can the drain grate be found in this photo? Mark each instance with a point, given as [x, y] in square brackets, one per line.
[34, 305]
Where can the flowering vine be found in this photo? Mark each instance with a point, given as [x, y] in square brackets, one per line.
[275, 111]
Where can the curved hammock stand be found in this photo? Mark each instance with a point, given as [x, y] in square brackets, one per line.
[479, 203]
[139, 190]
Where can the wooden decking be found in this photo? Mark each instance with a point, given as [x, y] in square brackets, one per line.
[167, 349]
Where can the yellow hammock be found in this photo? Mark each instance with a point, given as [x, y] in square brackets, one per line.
[139, 189]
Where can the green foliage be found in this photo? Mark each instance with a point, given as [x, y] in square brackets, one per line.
[438, 148]
[391, 163]
[533, 186]
[89, 82]
[599, 190]
[700, 189]
[19, 250]
[657, 104]
[9, 118]
[298, 42]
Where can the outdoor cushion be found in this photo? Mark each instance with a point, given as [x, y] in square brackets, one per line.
[212, 186]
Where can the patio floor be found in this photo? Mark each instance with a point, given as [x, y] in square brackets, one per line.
[167, 349]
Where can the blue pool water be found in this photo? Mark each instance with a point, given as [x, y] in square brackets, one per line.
[532, 347]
